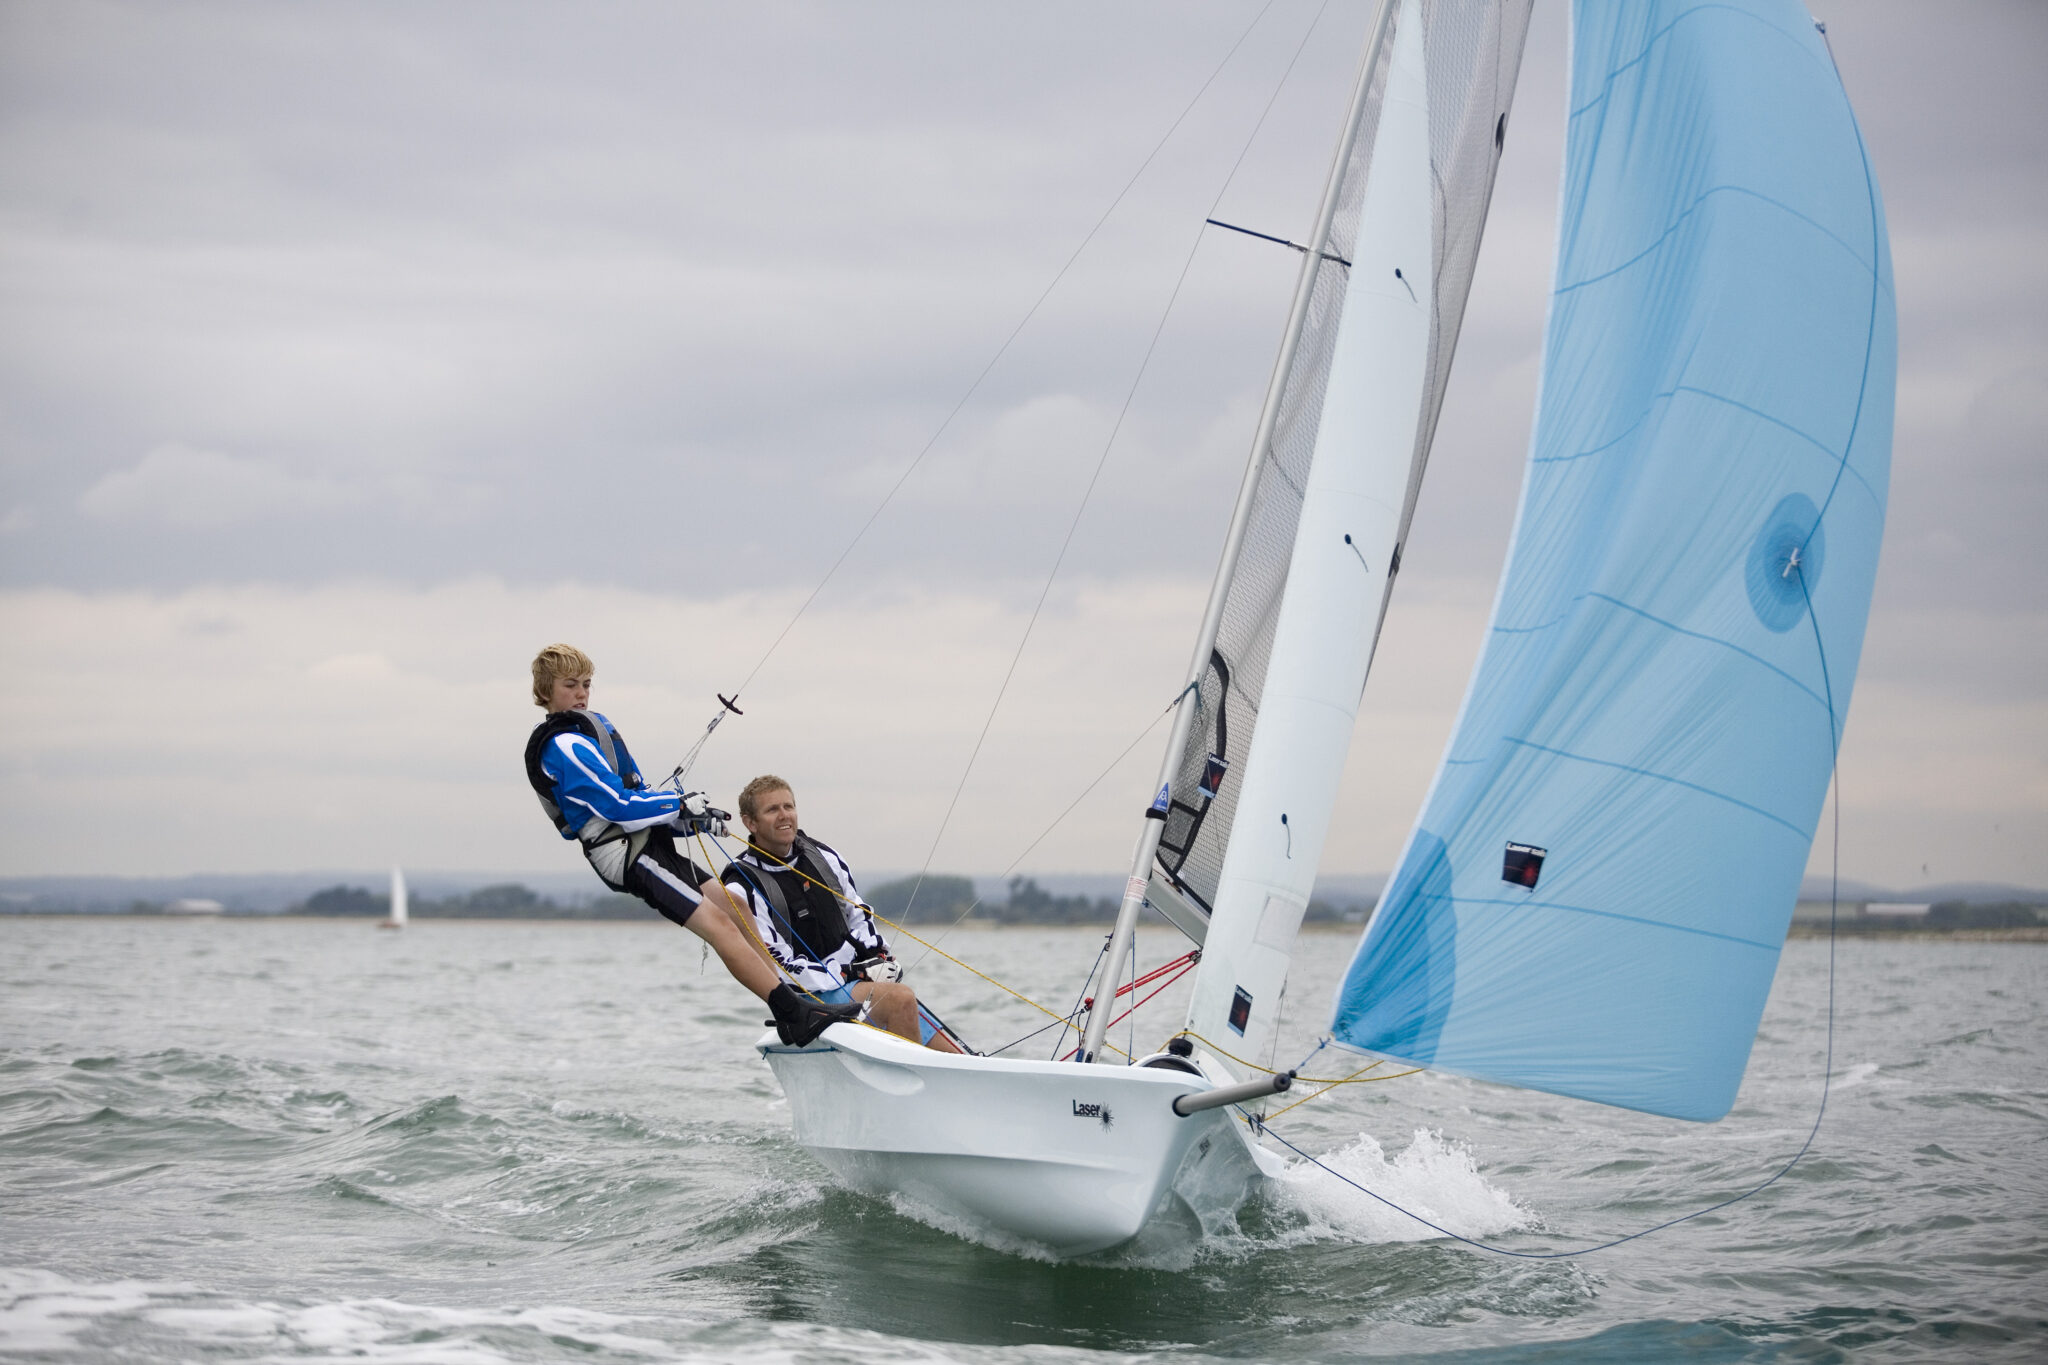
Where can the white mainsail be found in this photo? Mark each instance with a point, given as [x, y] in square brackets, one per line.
[1259, 744]
[1336, 579]
[399, 910]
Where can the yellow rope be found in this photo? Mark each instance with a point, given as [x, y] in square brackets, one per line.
[747, 924]
[1328, 1082]
[1355, 1078]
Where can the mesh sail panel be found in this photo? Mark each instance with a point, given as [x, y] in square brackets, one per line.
[1472, 51]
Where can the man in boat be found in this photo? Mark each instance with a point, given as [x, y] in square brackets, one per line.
[592, 791]
[810, 921]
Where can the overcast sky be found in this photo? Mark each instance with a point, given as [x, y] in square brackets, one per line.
[348, 353]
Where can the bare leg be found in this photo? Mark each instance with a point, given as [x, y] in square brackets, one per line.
[716, 894]
[747, 966]
[895, 1008]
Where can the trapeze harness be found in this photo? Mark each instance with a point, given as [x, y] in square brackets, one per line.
[610, 849]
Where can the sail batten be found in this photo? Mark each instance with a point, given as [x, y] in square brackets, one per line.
[1651, 728]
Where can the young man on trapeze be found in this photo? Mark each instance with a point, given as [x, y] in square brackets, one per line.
[592, 791]
[810, 920]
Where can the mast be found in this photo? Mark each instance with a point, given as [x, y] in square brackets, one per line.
[1233, 545]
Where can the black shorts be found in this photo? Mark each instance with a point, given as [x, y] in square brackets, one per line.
[665, 877]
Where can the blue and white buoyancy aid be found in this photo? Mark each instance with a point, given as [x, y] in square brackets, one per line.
[592, 791]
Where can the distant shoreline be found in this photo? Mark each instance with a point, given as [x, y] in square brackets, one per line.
[2019, 934]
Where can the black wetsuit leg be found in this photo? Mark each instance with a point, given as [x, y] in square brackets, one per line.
[666, 878]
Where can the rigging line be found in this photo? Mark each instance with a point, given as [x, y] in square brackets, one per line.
[1081, 997]
[789, 978]
[1828, 1067]
[1046, 833]
[1355, 1078]
[1306, 1080]
[1102, 460]
[1179, 968]
[1876, 284]
[746, 919]
[1065, 1023]
[875, 914]
[1003, 349]
[1132, 1036]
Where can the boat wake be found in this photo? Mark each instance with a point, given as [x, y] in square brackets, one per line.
[1434, 1177]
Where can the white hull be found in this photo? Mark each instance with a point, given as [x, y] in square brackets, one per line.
[1074, 1158]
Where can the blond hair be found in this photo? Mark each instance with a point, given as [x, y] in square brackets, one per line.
[557, 661]
[751, 794]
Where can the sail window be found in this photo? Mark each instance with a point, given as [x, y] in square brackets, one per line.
[1240, 1011]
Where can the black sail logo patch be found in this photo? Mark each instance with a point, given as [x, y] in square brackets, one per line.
[1240, 1011]
[1099, 1112]
[1523, 864]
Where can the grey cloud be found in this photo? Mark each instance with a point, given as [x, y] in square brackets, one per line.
[540, 279]
[654, 254]
[178, 486]
[565, 322]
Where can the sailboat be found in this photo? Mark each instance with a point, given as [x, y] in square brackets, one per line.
[397, 918]
[1594, 895]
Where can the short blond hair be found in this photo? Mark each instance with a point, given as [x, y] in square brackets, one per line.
[557, 661]
[751, 794]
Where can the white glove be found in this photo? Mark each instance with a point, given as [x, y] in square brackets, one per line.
[699, 816]
[880, 968]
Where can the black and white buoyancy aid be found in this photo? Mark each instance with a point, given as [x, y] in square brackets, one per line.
[609, 848]
[811, 912]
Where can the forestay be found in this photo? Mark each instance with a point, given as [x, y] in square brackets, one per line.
[1594, 897]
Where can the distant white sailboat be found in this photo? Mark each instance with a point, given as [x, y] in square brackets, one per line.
[1593, 898]
[397, 918]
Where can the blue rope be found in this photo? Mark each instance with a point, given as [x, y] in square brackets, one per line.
[926, 1011]
[769, 901]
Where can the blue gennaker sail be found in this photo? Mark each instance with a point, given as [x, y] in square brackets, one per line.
[1594, 898]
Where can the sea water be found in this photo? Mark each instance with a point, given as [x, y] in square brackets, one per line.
[478, 1142]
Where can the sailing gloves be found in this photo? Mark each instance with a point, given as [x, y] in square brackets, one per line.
[698, 816]
[879, 967]
[801, 1018]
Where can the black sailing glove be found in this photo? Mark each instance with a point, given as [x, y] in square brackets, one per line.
[700, 817]
[800, 1018]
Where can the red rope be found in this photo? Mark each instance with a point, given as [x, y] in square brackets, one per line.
[1187, 959]
[1185, 964]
